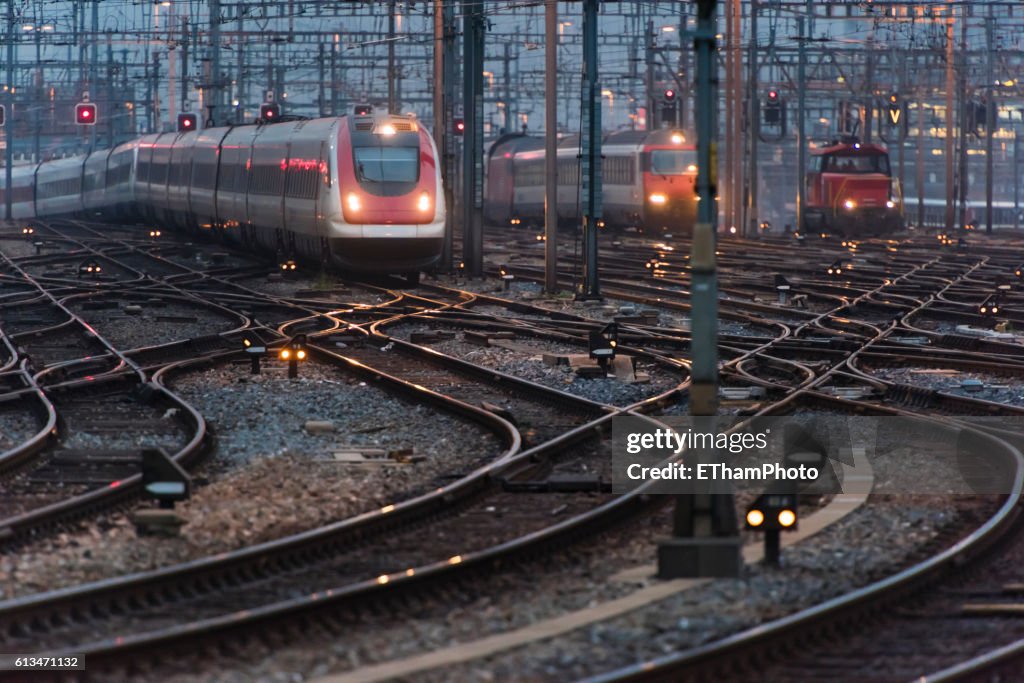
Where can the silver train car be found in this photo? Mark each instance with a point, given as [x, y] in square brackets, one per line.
[362, 193]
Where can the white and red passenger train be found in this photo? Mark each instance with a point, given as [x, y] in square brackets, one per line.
[361, 192]
[648, 181]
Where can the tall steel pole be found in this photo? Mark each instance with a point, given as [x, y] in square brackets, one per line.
[753, 124]
[551, 146]
[213, 105]
[472, 150]
[704, 541]
[392, 102]
[9, 119]
[950, 87]
[991, 116]
[590, 167]
[920, 162]
[448, 151]
[801, 135]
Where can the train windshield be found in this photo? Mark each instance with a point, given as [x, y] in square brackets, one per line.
[673, 161]
[388, 164]
[860, 163]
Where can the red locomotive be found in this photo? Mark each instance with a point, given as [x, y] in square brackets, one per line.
[850, 191]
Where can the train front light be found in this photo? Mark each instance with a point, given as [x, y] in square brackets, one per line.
[353, 202]
[850, 204]
[692, 168]
[658, 198]
[424, 202]
[890, 204]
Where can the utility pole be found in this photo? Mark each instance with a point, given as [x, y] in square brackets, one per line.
[920, 161]
[962, 179]
[9, 122]
[184, 64]
[472, 149]
[448, 80]
[94, 58]
[753, 124]
[507, 74]
[392, 102]
[590, 166]
[1016, 179]
[442, 120]
[551, 147]
[950, 86]
[730, 112]
[240, 89]
[801, 136]
[869, 81]
[216, 84]
[736, 198]
[991, 117]
[704, 541]
[652, 121]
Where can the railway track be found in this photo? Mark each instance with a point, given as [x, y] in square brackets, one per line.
[378, 558]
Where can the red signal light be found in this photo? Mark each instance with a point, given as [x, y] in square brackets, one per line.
[186, 122]
[460, 126]
[85, 113]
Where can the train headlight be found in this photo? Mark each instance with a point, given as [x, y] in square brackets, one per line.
[850, 204]
[890, 204]
[353, 202]
[386, 129]
[692, 168]
[678, 139]
[424, 202]
[658, 198]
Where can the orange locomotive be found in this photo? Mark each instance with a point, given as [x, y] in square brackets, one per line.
[851, 191]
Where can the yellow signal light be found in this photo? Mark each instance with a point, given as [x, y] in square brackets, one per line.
[787, 517]
[755, 517]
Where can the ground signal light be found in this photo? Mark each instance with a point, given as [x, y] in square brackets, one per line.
[89, 269]
[187, 122]
[270, 112]
[294, 353]
[603, 343]
[772, 513]
[28, 231]
[255, 349]
[85, 114]
[289, 267]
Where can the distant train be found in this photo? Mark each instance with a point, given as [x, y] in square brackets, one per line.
[361, 192]
[1005, 215]
[648, 181]
[851, 191]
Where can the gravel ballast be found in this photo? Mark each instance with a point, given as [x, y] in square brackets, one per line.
[269, 477]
